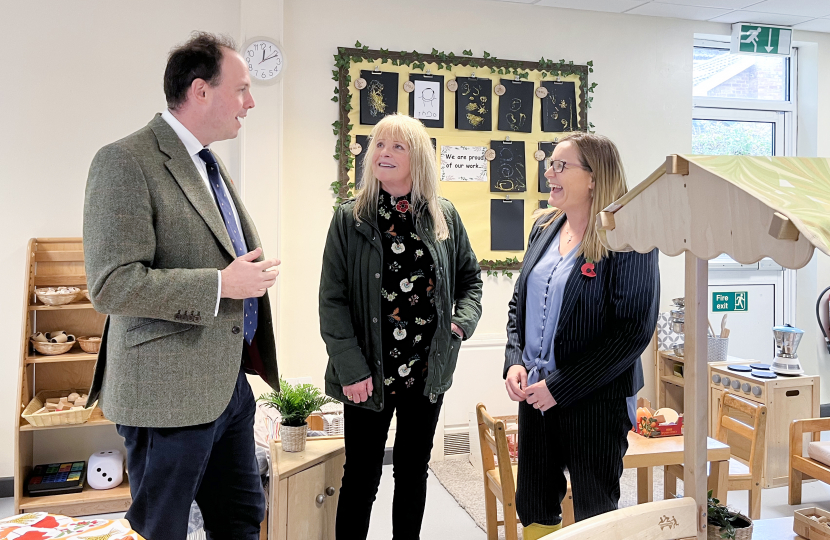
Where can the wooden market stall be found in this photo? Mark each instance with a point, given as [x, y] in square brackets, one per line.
[704, 206]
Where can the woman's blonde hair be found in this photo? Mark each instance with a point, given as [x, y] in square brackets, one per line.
[598, 154]
[422, 165]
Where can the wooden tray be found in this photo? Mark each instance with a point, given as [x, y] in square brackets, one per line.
[804, 525]
[55, 418]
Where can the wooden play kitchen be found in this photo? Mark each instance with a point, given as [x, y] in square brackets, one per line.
[55, 263]
[702, 206]
[786, 399]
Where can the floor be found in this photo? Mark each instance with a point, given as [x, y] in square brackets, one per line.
[444, 518]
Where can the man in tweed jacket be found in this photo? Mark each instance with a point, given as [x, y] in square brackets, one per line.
[163, 261]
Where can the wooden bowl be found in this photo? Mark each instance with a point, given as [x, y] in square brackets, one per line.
[55, 299]
[90, 344]
[51, 349]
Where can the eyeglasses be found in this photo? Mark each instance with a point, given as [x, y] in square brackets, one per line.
[558, 165]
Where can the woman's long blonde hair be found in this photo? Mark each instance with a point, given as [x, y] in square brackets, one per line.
[422, 165]
[598, 154]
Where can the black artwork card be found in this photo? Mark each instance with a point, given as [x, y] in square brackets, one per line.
[516, 106]
[474, 104]
[379, 98]
[434, 143]
[547, 147]
[363, 141]
[426, 102]
[507, 170]
[559, 107]
[507, 225]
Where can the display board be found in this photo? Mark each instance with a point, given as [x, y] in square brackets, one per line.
[489, 119]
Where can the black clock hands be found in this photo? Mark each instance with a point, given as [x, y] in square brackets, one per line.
[276, 53]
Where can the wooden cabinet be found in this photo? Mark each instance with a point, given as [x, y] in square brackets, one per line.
[786, 398]
[54, 262]
[305, 487]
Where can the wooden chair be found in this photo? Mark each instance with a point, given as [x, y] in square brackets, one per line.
[742, 424]
[802, 468]
[500, 480]
[672, 519]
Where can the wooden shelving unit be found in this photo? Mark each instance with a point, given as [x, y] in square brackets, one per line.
[58, 262]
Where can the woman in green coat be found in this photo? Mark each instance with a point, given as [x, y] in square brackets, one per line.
[399, 291]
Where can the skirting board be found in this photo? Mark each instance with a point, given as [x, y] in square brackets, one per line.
[7, 487]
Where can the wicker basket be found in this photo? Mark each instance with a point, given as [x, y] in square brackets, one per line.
[56, 299]
[293, 437]
[332, 414]
[51, 349]
[745, 533]
[61, 418]
[90, 344]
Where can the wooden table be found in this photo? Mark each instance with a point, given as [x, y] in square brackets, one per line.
[774, 529]
[643, 454]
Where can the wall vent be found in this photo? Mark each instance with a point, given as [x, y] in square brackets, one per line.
[456, 442]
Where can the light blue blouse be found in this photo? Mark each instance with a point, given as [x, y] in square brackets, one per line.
[545, 291]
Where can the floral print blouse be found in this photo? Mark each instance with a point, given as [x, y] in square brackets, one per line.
[408, 291]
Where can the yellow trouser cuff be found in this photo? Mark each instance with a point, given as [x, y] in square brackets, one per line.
[534, 531]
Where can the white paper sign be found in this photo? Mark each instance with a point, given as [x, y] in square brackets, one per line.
[427, 100]
[463, 164]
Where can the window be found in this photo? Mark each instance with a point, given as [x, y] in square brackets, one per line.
[743, 105]
[719, 74]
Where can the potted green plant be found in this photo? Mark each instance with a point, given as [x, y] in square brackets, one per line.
[295, 404]
[726, 523]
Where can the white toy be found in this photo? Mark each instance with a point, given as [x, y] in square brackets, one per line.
[105, 469]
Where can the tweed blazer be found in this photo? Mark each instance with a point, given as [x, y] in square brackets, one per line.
[605, 323]
[153, 242]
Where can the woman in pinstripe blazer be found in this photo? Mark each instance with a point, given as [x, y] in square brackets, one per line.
[578, 321]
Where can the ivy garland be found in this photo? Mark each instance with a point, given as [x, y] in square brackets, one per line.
[343, 187]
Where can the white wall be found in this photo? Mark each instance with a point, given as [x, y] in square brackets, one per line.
[78, 75]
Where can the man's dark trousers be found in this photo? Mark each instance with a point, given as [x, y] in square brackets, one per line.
[213, 464]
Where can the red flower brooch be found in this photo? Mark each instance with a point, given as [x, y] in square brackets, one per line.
[588, 268]
[402, 206]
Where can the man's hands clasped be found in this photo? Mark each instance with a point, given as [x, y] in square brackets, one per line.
[244, 278]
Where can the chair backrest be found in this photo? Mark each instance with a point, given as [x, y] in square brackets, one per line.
[493, 441]
[671, 519]
[747, 420]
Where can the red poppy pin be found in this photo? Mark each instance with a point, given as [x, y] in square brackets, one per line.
[402, 206]
[588, 268]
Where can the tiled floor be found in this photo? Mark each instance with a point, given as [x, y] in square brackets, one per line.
[444, 518]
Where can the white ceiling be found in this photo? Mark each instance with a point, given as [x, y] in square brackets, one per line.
[812, 15]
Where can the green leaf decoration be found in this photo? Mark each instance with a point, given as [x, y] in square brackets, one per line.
[486, 54]
[334, 99]
[467, 52]
[357, 44]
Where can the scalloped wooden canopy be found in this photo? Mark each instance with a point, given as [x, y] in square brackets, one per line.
[744, 206]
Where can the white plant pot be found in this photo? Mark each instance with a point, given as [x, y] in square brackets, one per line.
[293, 437]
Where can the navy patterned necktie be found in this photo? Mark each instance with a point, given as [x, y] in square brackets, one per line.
[233, 231]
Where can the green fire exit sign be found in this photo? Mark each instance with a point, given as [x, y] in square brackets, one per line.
[730, 301]
[761, 39]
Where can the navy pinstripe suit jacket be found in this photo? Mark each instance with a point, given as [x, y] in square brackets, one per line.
[605, 323]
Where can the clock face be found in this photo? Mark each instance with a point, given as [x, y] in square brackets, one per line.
[265, 60]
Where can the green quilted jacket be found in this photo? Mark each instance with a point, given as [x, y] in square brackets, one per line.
[350, 301]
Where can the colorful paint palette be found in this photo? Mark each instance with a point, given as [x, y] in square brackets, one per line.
[56, 478]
